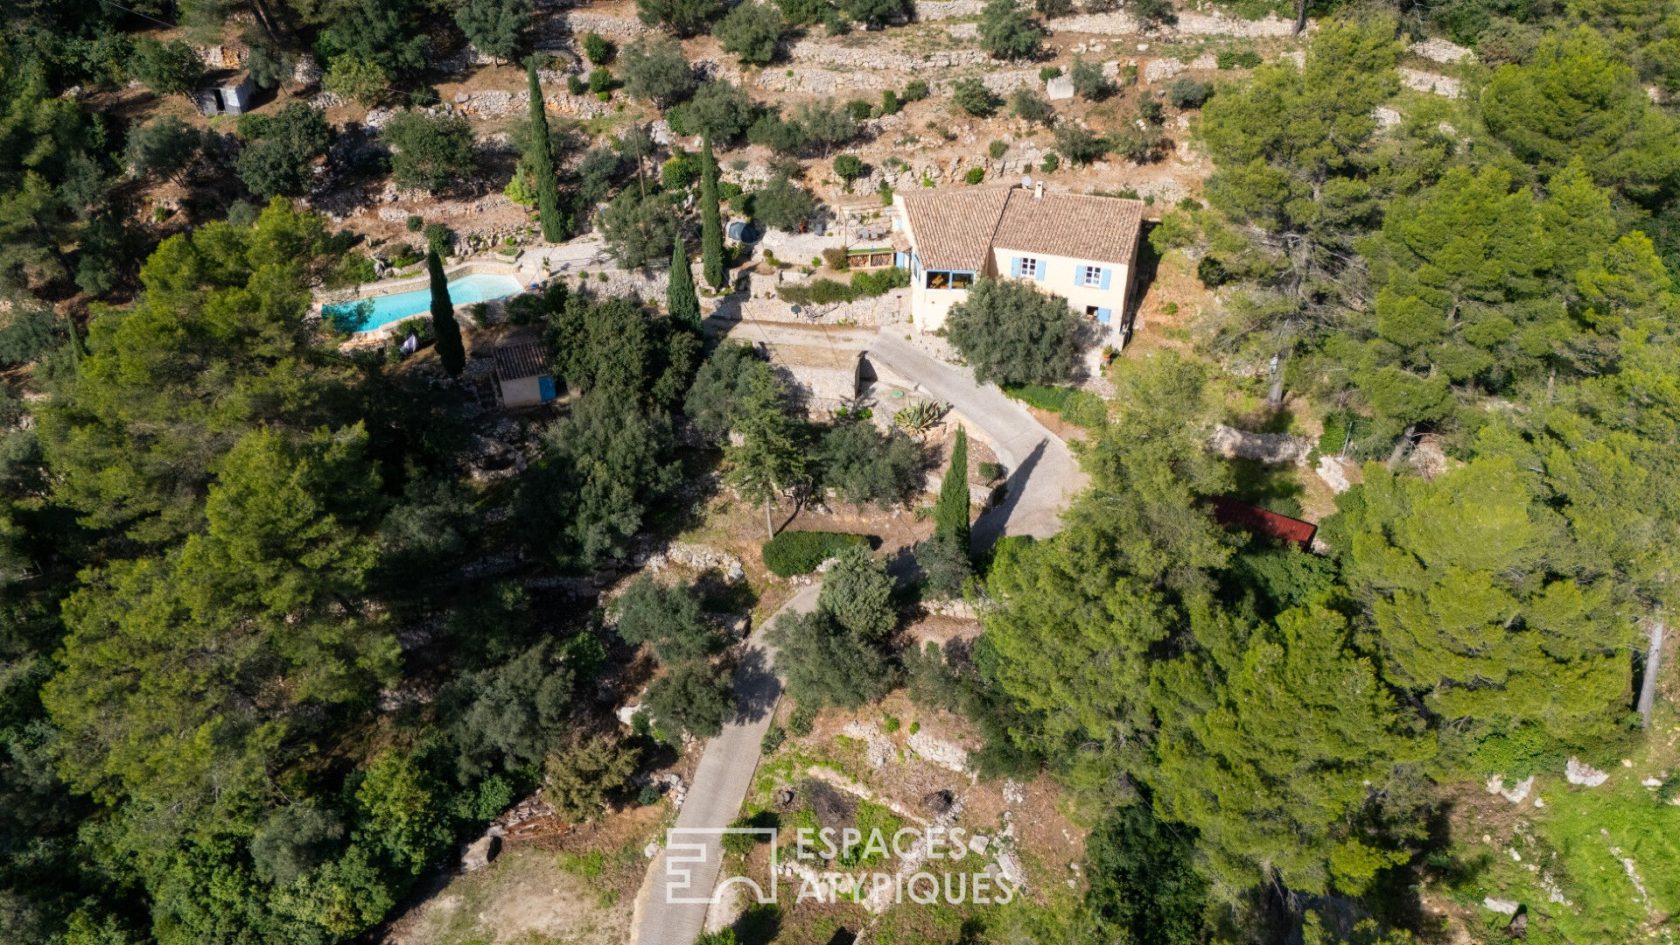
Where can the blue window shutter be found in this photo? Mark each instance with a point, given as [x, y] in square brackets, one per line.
[901, 260]
[1015, 267]
[1043, 265]
[1103, 314]
[1106, 272]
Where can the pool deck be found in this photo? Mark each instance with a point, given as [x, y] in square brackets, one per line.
[373, 290]
[537, 264]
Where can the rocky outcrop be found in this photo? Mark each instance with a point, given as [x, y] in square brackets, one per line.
[1334, 473]
[1442, 51]
[1581, 774]
[939, 752]
[480, 852]
[1422, 81]
[1273, 449]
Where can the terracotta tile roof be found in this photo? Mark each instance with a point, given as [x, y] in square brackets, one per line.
[956, 229]
[521, 360]
[953, 228]
[1101, 229]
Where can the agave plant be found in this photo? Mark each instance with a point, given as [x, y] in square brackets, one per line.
[920, 417]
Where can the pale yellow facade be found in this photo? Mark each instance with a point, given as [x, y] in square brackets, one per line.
[1098, 289]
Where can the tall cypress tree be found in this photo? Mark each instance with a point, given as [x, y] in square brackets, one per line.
[711, 221]
[681, 299]
[541, 161]
[950, 513]
[451, 351]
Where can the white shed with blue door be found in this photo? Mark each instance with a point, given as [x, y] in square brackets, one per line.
[523, 375]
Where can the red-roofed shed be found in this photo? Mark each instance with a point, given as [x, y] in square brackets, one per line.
[1231, 513]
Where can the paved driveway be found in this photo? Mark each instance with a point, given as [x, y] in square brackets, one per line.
[1043, 475]
[714, 800]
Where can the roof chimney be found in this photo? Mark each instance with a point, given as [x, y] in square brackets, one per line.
[1038, 191]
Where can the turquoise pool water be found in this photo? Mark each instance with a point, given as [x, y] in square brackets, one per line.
[463, 291]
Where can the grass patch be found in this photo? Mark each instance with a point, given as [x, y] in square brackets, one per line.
[872, 820]
[588, 865]
[1575, 849]
[1080, 408]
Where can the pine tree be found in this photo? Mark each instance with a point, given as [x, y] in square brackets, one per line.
[950, 513]
[450, 350]
[681, 299]
[1279, 766]
[711, 221]
[541, 161]
[1483, 607]
[769, 459]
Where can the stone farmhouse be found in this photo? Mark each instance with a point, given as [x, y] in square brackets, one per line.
[1080, 247]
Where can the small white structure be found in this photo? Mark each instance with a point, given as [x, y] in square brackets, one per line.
[1080, 247]
[231, 94]
[523, 375]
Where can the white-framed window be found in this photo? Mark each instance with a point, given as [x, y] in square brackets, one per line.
[1090, 275]
[1029, 267]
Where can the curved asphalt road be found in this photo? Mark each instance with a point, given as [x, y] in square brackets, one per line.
[1043, 477]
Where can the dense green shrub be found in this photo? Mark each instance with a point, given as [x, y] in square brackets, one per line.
[752, 31]
[864, 285]
[1008, 31]
[1080, 408]
[430, 152]
[1237, 59]
[792, 553]
[1089, 81]
[599, 49]
[1081, 144]
[27, 334]
[972, 96]
[1031, 106]
[1212, 272]
[1186, 92]
[1012, 333]
[1338, 425]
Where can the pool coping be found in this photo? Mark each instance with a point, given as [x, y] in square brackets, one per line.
[373, 290]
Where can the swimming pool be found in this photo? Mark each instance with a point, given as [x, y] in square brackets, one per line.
[463, 291]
